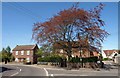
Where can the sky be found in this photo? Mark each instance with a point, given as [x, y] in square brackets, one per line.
[18, 19]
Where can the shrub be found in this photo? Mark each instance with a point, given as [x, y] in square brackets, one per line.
[44, 59]
[74, 60]
[105, 59]
[52, 58]
[0, 59]
[90, 59]
[55, 58]
[84, 60]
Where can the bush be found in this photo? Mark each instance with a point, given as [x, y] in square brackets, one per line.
[105, 59]
[84, 60]
[74, 60]
[52, 58]
[90, 59]
[0, 59]
[55, 58]
[44, 59]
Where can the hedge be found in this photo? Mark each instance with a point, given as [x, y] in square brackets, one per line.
[105, 59]
[84, 60]
[50, 59]
[44, 59]
[72, 60]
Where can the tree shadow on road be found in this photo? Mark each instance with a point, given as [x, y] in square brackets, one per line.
[108, 67]
[2, 69]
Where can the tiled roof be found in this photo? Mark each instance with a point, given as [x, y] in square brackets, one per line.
[24, 47]
[109, 52]
[74, 45]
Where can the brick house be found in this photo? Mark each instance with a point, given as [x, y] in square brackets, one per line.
[25, 53]
[76, 51]
[110, 53]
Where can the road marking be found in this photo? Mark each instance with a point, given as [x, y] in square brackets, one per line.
[46, 72]
[83, 75]
[55, 69]
[51, 75]
[68, 75]
[19, 68]
[15, 74]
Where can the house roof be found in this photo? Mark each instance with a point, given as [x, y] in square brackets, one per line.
[109, 52]
[24, 47]
[64, 44]
[75, 45]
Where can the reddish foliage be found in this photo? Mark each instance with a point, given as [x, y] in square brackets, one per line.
[73, 24]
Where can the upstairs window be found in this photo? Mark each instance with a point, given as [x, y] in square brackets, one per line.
[22, 52]
[16, 53]
[28, 52]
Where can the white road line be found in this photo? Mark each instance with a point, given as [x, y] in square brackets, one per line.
[51, 75]
[15, 74]
[19, 68]
[68, 75]
[46, 72]
[83, 75]
[54, 69]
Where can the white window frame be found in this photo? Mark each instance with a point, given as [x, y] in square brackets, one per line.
[22, 52]
[28, 59]
[61, 51]
[16, 53]
[28, 52]
[16, 59]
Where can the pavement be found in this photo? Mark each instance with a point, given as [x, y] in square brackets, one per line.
[12, 70]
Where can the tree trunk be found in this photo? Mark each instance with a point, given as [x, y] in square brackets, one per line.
[69, 55]
[69, 50]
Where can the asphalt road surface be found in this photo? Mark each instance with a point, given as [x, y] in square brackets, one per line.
[83, 72]
[37, 72]
[17, 70]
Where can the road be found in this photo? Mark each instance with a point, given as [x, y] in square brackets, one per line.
[36, 71]
[17, 70]
[83, 72]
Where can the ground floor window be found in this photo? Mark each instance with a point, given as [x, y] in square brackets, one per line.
[16, 59]
[28, 59]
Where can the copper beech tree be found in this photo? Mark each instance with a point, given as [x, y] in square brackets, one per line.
[72, 25]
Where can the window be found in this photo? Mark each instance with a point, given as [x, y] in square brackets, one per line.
[61, 51]
[22, 52]
[28, 59]
[16, 59]
[16, 52]
[28, 52]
